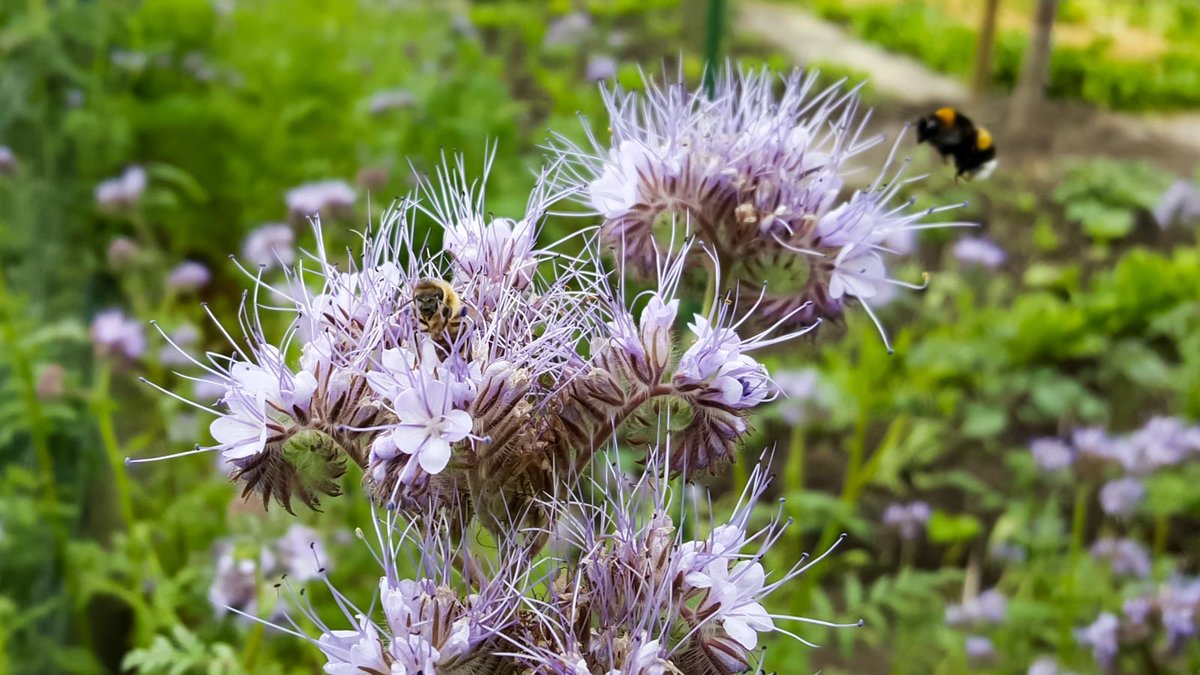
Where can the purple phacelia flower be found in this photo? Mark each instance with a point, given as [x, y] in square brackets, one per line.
[8, 161]
[988, 607]
[1161, 442]
[600, 67]
[1101, 637]
[907, 519]
[329, 198]
[188, 276]
[1180, 204]
[302, 554]
[122, 192]
[236, 579]
[1051, 454]
[567, 30]
[115, 334]
[1121, 497]
[1093, 443]
[1135, 610]
[637, 571]
[1125, 556]
[980, 649]
[979, 251]
[443, 620]
[1178, 601]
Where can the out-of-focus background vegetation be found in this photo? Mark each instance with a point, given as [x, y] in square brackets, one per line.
[1079, 308]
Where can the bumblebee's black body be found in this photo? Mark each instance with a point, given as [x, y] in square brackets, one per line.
[953, 134]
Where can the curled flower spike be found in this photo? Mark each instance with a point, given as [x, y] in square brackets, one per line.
[759, 178]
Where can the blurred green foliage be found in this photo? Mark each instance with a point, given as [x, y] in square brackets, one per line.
[923, 30]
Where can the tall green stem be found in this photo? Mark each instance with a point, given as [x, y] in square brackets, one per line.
[1078, 523]
[39, 436]
[102, 408]
[795, 467]
[714, 27]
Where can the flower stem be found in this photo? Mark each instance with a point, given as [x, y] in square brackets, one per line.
[713, 28]
[38, 433]
[1162, 531]
[740, 477]
[102, 408]
[604, 433]
[795, 468]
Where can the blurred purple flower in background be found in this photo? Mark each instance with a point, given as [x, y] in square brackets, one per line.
[1046, 665]
[385, 101]
[1135, 610]
[1101, 636]
[122, 192]
[1051, 454]
[121, 252]
[567, 31]
[1179, 205]
[236, 579]
[979, 251]
[1121, 497]
[188, 276]
[8, 161]
[115, 334]
[51, 382]
[327, 198]
[184, 336]
[270, 246]
[908, 519]
[301, 553]
[600, 67]
[988, 607]
[980, 649]
[801, 394]
[1125, 556]
[207, 389]
[1179, 601]
[1093, 442]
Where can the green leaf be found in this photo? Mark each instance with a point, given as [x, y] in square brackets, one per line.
[950, 529]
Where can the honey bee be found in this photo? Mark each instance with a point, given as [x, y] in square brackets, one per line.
[439, 309]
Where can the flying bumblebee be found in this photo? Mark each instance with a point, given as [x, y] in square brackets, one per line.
[439, 309]
[953, 134]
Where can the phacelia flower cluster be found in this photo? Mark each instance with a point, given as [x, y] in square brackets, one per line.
[472, 383]
[759, 178]
[505, 383]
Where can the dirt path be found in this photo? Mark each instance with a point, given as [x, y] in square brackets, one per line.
[1086, 130]
[809, 38]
